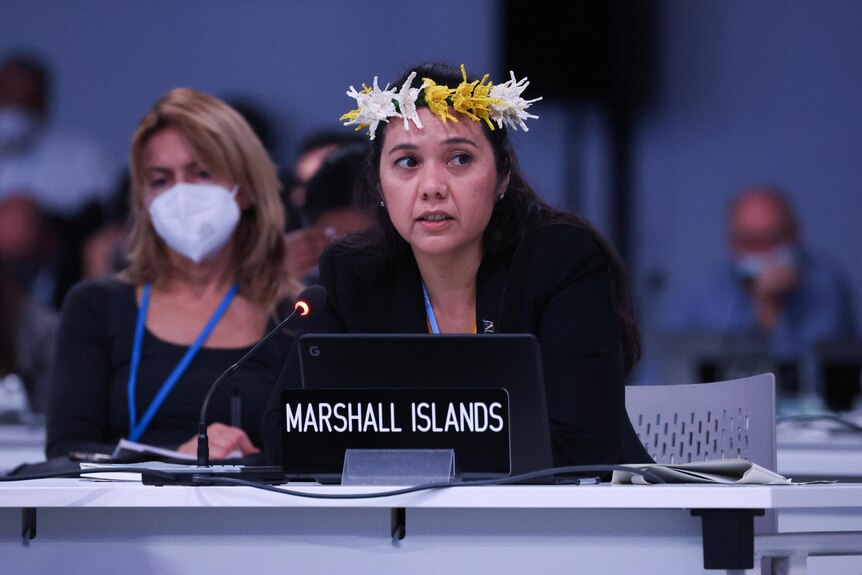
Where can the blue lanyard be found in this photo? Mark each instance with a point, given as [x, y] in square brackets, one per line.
[136, 430]
[429, 311]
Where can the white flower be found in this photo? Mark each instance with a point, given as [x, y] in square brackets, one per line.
[374, 106]
[407, 102]
[511, 110]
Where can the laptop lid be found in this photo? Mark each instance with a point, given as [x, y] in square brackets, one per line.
[445, 361]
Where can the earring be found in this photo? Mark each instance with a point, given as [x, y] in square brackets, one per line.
[501, 196]
[382, 205]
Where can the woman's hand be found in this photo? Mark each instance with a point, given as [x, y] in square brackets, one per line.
[223, 440]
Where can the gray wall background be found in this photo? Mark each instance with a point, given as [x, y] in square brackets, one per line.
[745, 92]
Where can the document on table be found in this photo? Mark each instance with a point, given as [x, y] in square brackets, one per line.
[105, 472]
[132, 450]
[724, 471]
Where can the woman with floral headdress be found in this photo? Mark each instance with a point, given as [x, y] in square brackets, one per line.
[463, 244]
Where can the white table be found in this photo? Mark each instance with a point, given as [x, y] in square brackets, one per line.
[85, 526]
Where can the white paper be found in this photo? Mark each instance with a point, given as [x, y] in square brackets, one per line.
[125, 444]
[724, 471]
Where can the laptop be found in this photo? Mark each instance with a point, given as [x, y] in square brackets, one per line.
[442, 361]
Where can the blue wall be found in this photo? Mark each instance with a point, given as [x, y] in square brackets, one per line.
[296, 58]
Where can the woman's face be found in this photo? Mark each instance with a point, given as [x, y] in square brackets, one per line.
[198, 222]
[439, 184]
[168, 158]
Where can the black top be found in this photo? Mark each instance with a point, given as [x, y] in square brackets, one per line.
[555, 285]
[88, 408]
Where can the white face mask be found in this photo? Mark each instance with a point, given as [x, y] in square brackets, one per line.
[749, 266]
[195, 220]
[17, 126]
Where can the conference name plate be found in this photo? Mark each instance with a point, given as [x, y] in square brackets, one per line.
[319, 425]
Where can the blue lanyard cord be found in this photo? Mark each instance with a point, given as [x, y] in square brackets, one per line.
[429, 311]
[136, 430]
[136, 355]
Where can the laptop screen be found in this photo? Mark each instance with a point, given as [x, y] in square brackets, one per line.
[447, 361]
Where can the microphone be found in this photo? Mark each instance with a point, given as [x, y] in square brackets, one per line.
[310, 300]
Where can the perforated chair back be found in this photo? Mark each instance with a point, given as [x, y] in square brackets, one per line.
[732, 419]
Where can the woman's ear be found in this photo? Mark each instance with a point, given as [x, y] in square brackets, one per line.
[381, 200]
[502, 186]
[242, 200]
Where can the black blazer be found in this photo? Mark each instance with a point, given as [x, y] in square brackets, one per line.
[555, 286]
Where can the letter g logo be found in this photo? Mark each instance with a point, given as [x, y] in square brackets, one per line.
[314, 351]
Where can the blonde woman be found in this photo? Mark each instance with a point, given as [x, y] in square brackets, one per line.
[137, 353]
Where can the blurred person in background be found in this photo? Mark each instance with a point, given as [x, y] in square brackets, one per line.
[770, 286]
[313, 150]
[65, 173]
[27, 331]
[28, 266]
[331, 208]
[30, 248]
[103, 253]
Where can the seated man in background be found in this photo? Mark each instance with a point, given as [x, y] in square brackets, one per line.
[773, 287]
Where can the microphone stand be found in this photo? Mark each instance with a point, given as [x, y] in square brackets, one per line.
[203, 439]
[309, 300]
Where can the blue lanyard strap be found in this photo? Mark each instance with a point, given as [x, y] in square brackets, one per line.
[136, 430]
[429, 311]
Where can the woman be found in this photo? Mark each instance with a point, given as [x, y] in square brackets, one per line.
[137, 353]
[462, 244]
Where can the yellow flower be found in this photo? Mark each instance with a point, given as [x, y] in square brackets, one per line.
[472, 99]
[351, 117]
[437, 99]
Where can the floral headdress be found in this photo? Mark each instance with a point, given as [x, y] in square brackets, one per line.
[500, 104]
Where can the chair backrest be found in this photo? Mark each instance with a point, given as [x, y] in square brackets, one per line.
[732, 419]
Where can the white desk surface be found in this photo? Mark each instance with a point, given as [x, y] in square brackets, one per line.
[88, 493]
[505, 529]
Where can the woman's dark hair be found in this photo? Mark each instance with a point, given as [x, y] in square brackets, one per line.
[517, 214]
[9, 304]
